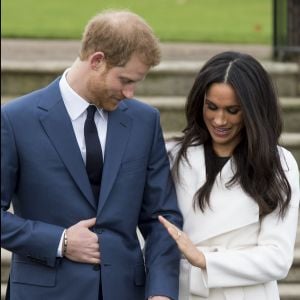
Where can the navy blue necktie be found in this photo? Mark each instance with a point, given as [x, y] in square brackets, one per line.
[94, 160]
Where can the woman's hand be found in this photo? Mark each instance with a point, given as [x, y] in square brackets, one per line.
[185, 245]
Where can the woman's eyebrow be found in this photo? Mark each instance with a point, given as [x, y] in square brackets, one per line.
[229, 106]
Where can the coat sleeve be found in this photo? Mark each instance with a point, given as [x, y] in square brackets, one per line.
[161, 253]
[270, 259]
[30, 238]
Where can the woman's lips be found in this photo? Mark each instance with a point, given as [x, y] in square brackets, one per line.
[221, 132]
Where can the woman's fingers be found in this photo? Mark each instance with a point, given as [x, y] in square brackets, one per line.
[185, 245]
[172, 229]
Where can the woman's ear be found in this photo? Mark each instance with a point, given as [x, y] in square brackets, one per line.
[96, 60]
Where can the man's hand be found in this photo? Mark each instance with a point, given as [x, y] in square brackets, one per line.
[159, 298]
[83, 245]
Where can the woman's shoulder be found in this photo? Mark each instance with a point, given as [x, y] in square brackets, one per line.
[193, 158]
[288, 160]
[173, 147]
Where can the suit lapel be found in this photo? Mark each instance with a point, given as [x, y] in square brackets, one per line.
[57, 125]
[118, 129]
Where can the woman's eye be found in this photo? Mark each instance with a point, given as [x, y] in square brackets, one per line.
[211, 107]
[233, 110]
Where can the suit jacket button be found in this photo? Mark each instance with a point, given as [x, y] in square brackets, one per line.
[96, 267]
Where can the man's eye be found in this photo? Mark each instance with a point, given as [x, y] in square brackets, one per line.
[126, 81]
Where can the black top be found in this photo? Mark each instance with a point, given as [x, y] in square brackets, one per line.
[212, 159]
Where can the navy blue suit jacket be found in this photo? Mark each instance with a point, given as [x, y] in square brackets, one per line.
[44, 177]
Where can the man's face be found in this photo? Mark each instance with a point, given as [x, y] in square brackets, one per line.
[106, 87]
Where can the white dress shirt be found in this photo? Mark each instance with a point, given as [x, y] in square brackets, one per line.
[76, 107]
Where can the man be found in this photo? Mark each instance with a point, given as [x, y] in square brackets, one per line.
[84, 165]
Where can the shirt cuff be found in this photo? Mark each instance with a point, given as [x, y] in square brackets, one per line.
[59, 249]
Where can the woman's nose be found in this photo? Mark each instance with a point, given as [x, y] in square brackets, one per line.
[220, 118]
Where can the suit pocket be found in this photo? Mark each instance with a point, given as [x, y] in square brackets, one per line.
[139, 275]
[34, 274]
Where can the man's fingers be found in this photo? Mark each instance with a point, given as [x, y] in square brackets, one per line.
[88, 223]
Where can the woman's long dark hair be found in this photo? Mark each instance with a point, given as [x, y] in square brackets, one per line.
[258, 167]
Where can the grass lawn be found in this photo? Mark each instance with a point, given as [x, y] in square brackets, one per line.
[229, 21]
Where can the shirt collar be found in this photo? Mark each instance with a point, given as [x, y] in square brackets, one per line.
[75, 104]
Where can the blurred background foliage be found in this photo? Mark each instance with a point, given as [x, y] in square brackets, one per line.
[228, 21]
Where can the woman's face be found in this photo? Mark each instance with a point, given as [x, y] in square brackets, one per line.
[223, 118]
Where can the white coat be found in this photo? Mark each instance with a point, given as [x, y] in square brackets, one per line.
[244, 257]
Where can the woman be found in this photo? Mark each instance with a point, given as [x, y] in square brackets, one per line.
[237, 189]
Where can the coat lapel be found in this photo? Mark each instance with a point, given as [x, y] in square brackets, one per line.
[118, 129]
[230, 208]
[57, 125]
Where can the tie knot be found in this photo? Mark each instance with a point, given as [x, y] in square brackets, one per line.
[91, 112]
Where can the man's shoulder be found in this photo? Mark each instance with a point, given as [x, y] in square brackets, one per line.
[26, 101]
[140, 112]
[141, 106]
[20, 103]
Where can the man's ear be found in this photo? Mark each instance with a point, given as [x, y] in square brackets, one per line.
[97, 60]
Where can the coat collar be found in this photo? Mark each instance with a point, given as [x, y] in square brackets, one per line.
[58, 127]
[118, 132]
[230, 208]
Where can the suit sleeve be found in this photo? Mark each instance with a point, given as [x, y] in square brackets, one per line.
[161, 253]
[30, 238]
[270, 260]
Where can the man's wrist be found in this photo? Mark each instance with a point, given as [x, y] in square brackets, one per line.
[65, 243]
[60, 245]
